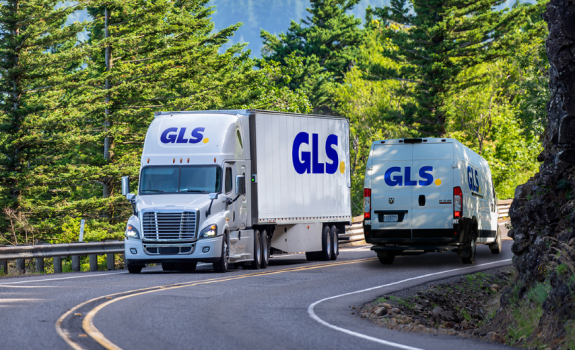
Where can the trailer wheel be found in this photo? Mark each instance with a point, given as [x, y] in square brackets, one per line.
[334, 243]
[470, 258]
[168, 266]
[222, 265]
[325, 253]
[496, 247]
[386, 257]
[257, 263]
[265, 249]
[134, 268]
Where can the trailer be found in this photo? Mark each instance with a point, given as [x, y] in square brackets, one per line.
[234, 186]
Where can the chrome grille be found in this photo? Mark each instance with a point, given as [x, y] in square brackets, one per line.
[169, 225]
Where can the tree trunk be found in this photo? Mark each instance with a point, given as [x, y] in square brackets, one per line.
[108, 60]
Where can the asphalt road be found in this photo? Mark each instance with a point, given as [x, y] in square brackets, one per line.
[281, 307]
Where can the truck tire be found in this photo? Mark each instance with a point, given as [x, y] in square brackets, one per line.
[265, 249]
[257, 263]
[496, 247]
[386, 257]
[168, 266]
[325, 253]
[470, 258]
[222, 265]
[334, 242]
[134, 268]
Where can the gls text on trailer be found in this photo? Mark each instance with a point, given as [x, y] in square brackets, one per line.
[426, 195]
[227, 186]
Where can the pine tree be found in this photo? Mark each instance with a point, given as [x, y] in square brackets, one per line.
[438, 39]
[39, 67]
[328, 40]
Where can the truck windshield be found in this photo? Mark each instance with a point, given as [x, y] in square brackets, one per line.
[180, 179]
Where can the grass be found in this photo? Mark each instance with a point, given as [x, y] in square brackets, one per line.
[570, 335]
[525, 320]
[539, 293]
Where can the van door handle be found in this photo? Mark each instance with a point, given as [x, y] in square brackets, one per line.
[421, 200]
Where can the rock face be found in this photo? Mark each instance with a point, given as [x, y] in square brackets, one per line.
[542, 213]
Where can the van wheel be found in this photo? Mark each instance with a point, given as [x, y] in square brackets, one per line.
[386, 257]
[470, 259]
[222, 264]
[265, 249]
[325, 253]
[134, 268]
[168, 266]
[257, 263]
[496, 247]
[334, 243]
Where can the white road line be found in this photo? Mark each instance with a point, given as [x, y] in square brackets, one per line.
[373, 339]
[63, 278]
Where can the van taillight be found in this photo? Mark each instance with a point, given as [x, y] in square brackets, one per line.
[367, 203]
[457, 202]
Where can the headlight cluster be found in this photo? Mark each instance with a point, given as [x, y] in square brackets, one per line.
[132, 232]
[209, 232]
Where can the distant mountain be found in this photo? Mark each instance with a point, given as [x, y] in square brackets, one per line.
[274, 16]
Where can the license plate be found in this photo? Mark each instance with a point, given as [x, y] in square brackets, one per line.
[390, 218]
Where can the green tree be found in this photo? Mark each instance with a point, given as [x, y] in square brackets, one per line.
[328, 42]
[443, 38]
[38, 71]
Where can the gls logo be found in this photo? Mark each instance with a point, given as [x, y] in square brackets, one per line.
[171, 135]
[397, 180]
[473, 179]
[309, 162]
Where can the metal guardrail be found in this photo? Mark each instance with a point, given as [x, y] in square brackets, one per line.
[57, 251]
[503, 207]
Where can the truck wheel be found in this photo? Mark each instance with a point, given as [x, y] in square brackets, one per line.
[334, 243]
[257, 263]
[265, 249]
[134, 268]
[222, 264]
[386, 257]
[325, 253]
[470, 259]
[168, 266]
[496, 247]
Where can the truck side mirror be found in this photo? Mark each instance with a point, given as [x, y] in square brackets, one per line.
[240, 185]
[125, 185]
[213, 196]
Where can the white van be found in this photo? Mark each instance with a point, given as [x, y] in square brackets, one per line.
[426, 195]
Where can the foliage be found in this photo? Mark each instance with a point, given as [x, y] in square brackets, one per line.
[440, 39]
[328, 41]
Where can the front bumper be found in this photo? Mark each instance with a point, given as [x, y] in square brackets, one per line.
[135, 252]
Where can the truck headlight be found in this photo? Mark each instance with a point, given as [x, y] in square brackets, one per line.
[209, 232]
[132, 232]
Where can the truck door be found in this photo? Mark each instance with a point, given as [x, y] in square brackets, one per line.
[432, 190]
[237, 215]
[390, 198]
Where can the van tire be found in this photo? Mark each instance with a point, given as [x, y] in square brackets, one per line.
[168, 266]
[496, 247]
[223, 264]
[472, 249]
[257, 263]
[325, 253]
[334, 242]
[386, 257]
[134, 268]
[265, 249]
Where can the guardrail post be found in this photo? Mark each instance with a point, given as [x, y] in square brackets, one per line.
[76, 263]
[39, 265]
[124, 260]
[57, 264]
[4, 266]
[21, 265]
[110, 261]
[93, 262]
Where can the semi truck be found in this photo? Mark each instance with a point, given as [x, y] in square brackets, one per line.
[232, 186]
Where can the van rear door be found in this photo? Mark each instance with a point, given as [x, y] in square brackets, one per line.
[390, 199]
[432, 195]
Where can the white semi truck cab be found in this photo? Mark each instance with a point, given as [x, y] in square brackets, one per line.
[228, 186]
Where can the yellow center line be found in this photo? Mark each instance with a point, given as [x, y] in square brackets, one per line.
[94, 333]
